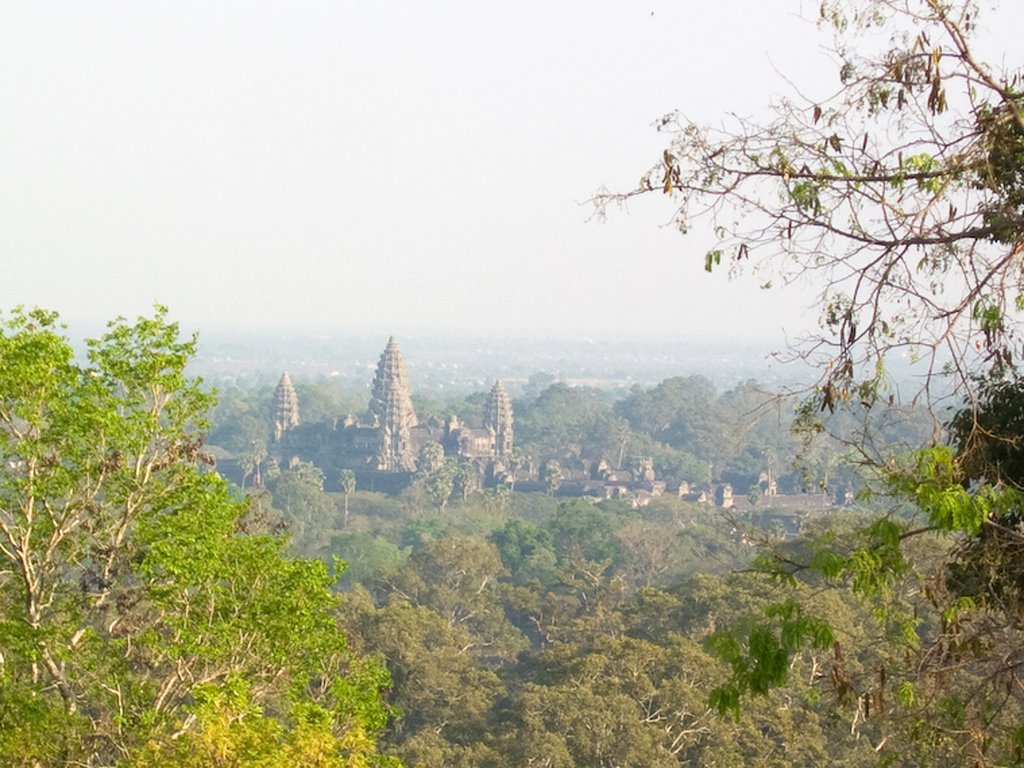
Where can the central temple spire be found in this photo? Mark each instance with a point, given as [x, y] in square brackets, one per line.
[392, 412]
[286, 408]
[498, 419]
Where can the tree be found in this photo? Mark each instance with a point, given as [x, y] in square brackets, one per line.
[563, 421]
[649, 555]
[943, 675]
[679, 411]
[442, 626]
[526, 551]
[238, 423]
[347, 480]
[140, 611]
[431, 457]
[902, 195]
[251, 463]
[467, 479]
[298, 492]
[440, 483]
[365, 555]
[552, 476]
[620, 434]
[458, 577]
[517, 461]
[584, 532]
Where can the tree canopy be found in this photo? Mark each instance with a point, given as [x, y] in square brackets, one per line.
[145, 617]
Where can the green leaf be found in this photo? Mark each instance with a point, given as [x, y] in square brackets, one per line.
[712, 259]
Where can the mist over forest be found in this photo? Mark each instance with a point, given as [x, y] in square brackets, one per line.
[457, 364]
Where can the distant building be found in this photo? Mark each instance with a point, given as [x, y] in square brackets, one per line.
[499, 423]
[393, 416]
[285, 413]
[389, 442]
[384, 448]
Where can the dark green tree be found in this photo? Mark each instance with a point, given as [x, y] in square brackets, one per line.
[527, 552]
[563, 421]
[298, 492]
[583, 531]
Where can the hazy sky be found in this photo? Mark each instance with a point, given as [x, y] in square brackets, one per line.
[378, 166]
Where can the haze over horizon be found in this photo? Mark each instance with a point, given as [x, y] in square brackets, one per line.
[380, 168]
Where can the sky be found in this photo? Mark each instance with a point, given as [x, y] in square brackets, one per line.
[379, 167]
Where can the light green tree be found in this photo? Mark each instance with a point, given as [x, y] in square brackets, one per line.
[135, 618]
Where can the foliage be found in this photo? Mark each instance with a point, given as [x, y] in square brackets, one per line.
[297, 492]
[581, 531]
[439, 484]
[364, 555]
[563, 421]
[942, 580]
[901, 196]
[138, 621]
[526, 551]
[552, 476]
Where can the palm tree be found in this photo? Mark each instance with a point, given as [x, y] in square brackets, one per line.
[552, 476]
[347, 479]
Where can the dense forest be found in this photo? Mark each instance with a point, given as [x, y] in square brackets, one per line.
[537, 628]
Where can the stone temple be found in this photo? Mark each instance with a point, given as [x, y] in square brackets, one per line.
[285, 413]
[387, 443]
[393, 416]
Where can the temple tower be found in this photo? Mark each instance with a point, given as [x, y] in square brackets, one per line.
[392, 412]
[498, 419]
[286, 407]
